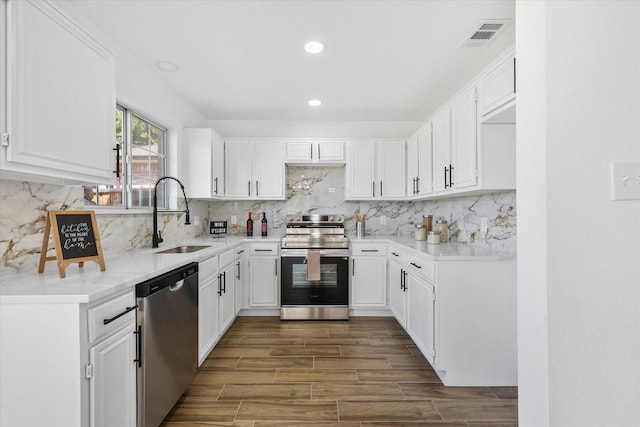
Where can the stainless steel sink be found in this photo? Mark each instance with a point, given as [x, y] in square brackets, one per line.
[183, 249]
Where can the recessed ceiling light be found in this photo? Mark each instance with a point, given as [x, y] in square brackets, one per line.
[314, 102]
[314, 47]
[167, 66]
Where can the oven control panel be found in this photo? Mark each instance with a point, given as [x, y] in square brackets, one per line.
[315, 218]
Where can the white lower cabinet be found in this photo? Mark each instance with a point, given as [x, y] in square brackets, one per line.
[461, 314]
[420, 314]
[368, 275]
[208, 318]
[112, 386]
[87, 373]
[264, 275]
[226, 292]
[397, 285]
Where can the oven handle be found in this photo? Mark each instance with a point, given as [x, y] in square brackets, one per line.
[324, 253]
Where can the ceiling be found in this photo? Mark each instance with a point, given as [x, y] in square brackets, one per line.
[390, 60]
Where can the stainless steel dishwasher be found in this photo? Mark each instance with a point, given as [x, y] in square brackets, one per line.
[167, 332]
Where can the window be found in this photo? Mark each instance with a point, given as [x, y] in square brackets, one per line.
[141, 150]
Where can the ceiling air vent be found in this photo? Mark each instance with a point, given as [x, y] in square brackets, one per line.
[486, 31]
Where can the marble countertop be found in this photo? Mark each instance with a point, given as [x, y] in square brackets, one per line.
[89, 284]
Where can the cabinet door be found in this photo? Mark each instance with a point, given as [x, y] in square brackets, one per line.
[226, 297]
[464, 140]
[269, 170]
[241, 279]
[397, 293]
[368, 282]
[360, 170]
[217, 169]
[391, 170]
[238, 175]
[441, 123]
[498, 88]
[330, 151]
[265, 281]
[112, 386]
[299, 151]
[60, 97]
[420, 314]
[425, 161]
[208, 329]
[198, 156]
[412, 165]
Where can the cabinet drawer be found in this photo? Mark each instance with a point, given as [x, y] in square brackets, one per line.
[111, 315]
[371, 249]
[396, 255]
[207, 268]
[227, 258]
[265, 249]
[422, 267]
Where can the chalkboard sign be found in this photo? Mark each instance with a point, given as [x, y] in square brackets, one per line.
[217, 227]
[75, 237]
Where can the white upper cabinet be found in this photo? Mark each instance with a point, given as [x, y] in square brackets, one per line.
[375, 170]
[255, 170]
[497, 90]
[60, 92]
[463, 140]
[315, 152]
[203, 151]
[441, 125]
[420, 163]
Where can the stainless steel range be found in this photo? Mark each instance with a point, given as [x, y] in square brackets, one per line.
[315, 268]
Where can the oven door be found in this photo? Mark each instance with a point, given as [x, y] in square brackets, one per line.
[332, 288]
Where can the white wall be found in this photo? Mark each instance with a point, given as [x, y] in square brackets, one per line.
[578, 251]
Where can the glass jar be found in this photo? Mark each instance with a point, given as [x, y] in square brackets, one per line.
[442, 228]
[421, 232]
[433, 238]
[427, 220]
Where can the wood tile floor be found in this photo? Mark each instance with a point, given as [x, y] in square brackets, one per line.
[365, 372]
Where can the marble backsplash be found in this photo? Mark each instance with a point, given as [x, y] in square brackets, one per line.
[23, 209]
[321, 190]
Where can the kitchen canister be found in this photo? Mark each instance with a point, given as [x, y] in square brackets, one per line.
[427, 221]
[433, 238]
[442, 229]
[421, 232]
[359, 229]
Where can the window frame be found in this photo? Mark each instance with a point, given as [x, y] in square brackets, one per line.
[126, 158]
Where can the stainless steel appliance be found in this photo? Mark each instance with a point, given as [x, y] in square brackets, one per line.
[167, 332]
[314, 268]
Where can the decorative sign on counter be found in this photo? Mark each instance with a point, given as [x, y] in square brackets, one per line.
[75, 239]
[217, 227]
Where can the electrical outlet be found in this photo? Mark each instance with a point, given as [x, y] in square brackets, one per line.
[196, 220]
[234, 220]
[383, 220]
[625, 180]
[483, 225]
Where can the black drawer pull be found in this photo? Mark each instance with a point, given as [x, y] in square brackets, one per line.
[369, 250]
[415, 265]
[128, 309]
[263, 250]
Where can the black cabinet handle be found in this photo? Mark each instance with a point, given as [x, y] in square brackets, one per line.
[415, 265]
[248, 188]
[276, 264]
[405, 280]
[394, 254]
[128, 309]
[369, 250]
[238, 267]
[215, 185]
[445, 178]
[417, 185]
[117, 171]
[257, 191]
[263, 250]
[220, 284]
[240, 251]
[353, 267]
[380, 188]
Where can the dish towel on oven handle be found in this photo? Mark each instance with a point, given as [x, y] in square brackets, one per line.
[313, 265]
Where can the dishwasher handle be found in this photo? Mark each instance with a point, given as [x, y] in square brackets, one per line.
[176, 286]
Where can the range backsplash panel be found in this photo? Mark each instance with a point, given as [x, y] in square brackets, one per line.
[23, 208]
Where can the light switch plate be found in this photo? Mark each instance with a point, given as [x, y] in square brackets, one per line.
[383, 220]
[625, 180]
[483, 224]
[234, 220]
